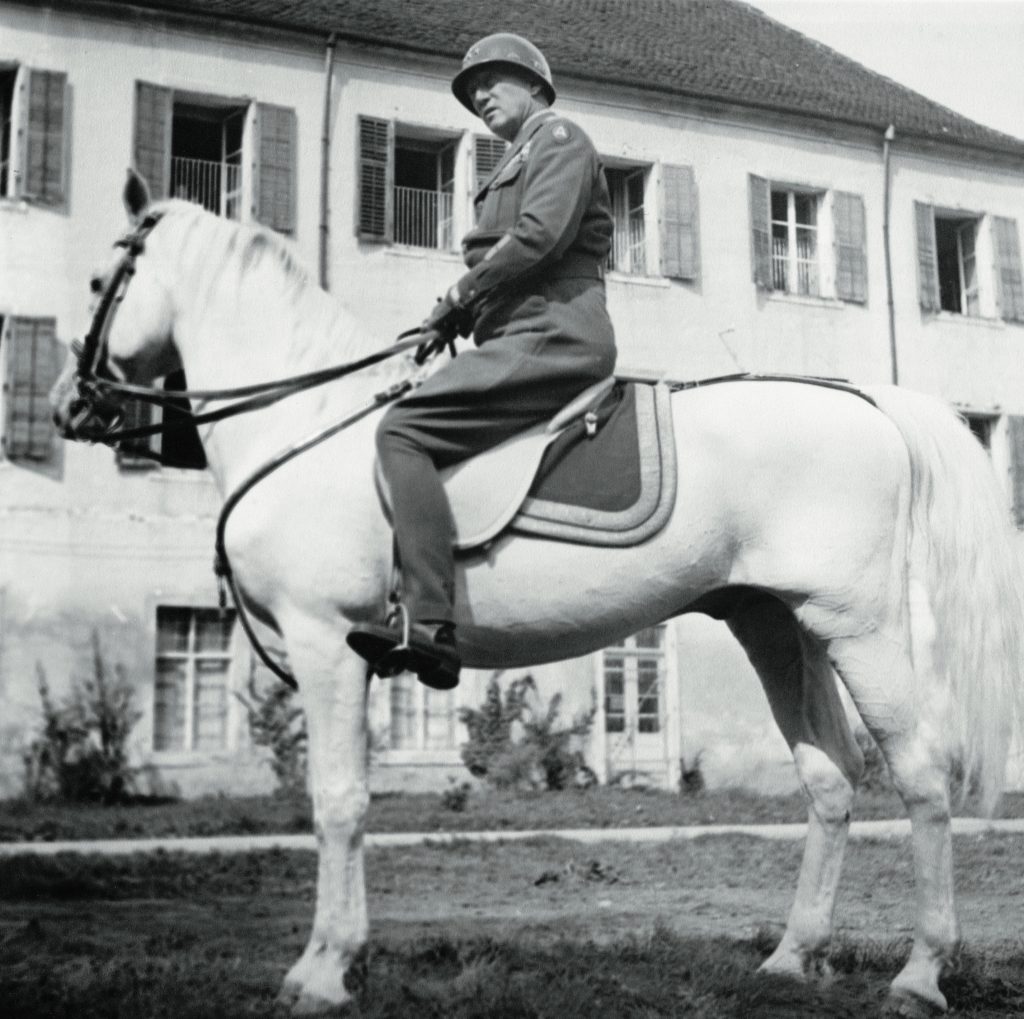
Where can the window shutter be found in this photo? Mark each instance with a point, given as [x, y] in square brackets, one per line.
[43, 112]
[850, 239]
[274, 183]
[152, 147]
[927, 258]
[760, 231]
[1016, 436]
[488, 152]
[1009, 284]
[31, 368]
[680, 253]
[375, 207]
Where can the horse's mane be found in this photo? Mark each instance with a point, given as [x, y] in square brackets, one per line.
[320, 326]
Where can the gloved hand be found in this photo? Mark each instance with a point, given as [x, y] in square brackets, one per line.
[439, 329]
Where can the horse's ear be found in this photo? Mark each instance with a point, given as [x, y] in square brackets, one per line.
[136, 195]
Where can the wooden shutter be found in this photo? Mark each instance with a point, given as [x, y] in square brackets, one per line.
[1009, 284]
[274, 178]
[680, 252]
[31, 367]
[43, 106]
[152, 146]
[761, 231]
[488, 152]
[850, 252]
[375, 207]
[927, 258]
[1016, 438]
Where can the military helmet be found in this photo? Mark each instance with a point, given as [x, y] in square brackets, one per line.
[509, 50]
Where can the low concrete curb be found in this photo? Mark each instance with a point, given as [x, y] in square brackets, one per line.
[256, 843]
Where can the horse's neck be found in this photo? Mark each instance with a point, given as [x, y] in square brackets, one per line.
[241, 324]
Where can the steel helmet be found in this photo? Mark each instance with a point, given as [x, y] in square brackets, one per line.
[503, 48]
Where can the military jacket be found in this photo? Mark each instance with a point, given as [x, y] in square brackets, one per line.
[544, 209]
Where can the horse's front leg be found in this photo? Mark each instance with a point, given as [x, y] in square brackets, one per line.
[333, 685]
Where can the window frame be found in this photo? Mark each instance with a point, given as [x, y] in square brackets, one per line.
[628, 256]
[229, 655]
[840, 233]
[266, 158]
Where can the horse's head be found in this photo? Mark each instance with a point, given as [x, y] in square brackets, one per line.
[130, 339]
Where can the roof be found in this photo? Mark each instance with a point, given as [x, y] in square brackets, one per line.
[718, 50]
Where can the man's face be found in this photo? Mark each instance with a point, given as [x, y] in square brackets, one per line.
[503, 99]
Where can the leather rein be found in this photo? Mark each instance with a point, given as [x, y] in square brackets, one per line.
[94, 385]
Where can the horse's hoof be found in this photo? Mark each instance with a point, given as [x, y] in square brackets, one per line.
[904, 1005]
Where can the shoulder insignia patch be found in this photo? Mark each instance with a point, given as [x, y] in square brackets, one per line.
[560, 133]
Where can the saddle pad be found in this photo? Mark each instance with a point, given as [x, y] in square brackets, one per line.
[507, 485]
[628, 472]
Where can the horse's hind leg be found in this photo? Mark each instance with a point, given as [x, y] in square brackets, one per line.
[919, 761]
[333, 686]
[801, 690]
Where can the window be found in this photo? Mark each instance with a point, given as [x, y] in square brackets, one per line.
[31, 364]
[193, 660]
[33, 139]
[629, 242]
[808, 241]
[424, 190]
[631, 189]
[795, 242]
[969, 264]
[406, 185]
[634, 674]
[197, 147]
[421, 718]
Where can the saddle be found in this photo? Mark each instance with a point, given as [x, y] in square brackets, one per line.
[601, 472]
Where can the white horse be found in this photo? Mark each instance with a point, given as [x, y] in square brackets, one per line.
[835, 538]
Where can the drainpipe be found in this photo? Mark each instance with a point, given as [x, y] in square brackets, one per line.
[890, 134]
[325, 160]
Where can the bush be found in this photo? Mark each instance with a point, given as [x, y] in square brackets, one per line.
[542, 758]
[82, 753]
[277, 723]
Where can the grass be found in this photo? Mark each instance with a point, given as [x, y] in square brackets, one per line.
[537, 929]
[599, 807]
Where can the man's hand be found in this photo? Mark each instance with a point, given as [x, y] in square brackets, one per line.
[439, 329]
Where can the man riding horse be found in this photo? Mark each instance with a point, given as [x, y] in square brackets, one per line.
[534, 301]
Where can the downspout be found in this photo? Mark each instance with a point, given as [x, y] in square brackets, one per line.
[325, 160]
[890, 134]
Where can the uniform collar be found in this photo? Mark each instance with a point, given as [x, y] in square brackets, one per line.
[533, 123]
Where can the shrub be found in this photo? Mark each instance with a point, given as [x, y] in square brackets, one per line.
[82, 752]
[543, 757]
[275, 722]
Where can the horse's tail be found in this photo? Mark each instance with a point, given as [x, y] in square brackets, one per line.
[964, 552]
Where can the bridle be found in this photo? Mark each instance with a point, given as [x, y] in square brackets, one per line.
[100, 397]
[96, 387]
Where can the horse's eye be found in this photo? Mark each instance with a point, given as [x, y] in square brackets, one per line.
[96, 285]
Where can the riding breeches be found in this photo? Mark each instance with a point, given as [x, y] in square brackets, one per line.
[538, 351]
